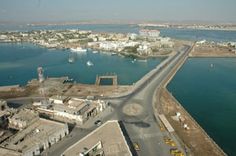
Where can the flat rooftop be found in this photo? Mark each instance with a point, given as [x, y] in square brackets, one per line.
[25, 115]
[33, 134]
[111, 137]
[8, 152]
[77, 104]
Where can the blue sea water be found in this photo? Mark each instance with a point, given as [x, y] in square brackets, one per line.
[209, 95]
[187, 34]
[19, 62]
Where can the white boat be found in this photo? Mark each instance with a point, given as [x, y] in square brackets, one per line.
[89, 63]
[142, 60]
[71, 60]
[78, 49]
[95, 52]
[113, 53]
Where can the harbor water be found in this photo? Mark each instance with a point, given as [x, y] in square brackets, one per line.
[206, 87]
[19, 63]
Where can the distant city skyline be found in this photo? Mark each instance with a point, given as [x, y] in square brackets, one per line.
[28, 11]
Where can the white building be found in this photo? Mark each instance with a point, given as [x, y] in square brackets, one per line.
[144, 49]
[149, 33]
[22, 119]
[74, 110]
[37, 137]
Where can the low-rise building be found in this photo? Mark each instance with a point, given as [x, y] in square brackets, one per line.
[74, 110]
[22, 119]
[9, 152]
[59, 99]
[144, 49]
[149, 33]
[107, 140]
[37, 137]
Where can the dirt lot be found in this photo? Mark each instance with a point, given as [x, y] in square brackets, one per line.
[212, 51]
[94, 90]
[195, 138]
[55, 86]
[23, 92]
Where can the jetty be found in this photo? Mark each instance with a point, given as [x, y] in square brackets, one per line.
[113, 77]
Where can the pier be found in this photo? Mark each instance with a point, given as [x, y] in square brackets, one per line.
[113, 77]
[166, 104]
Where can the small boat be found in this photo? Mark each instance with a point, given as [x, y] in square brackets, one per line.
[134, 60]
[71, 60]
[95, 52]
[78, 49]
[113, 53]
[89, 63]
[212, 65]
[142, 60]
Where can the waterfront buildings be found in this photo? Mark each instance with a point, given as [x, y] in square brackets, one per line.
[33, 136]
[23, 119]
[73, 110]
[149, 33]
[67, 39]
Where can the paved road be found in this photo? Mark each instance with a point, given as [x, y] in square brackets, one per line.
[141, 126]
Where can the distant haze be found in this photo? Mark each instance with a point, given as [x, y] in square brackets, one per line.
[221, 11]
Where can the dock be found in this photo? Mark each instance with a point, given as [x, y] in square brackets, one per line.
[113, 77]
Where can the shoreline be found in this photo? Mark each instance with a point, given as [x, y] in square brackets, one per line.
[169, 106]
[225, 27]
[188, 116]
[124, 54]
[196, 139]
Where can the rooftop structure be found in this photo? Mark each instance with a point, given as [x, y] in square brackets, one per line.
[107, 140]
[36, 137]
[9, 152]
[73, 110]
[23, 119]
[149, 33]
[59, 99]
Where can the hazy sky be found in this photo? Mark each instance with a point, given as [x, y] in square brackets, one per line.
[147, 10]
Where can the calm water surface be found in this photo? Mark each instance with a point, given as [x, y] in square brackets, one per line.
[19, 62]
[187, 34]
[209, 95]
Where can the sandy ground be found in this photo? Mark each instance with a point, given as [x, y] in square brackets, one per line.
[55, 86]
[212, 51]
[195, 138]
[94, 90]
[25, 91]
